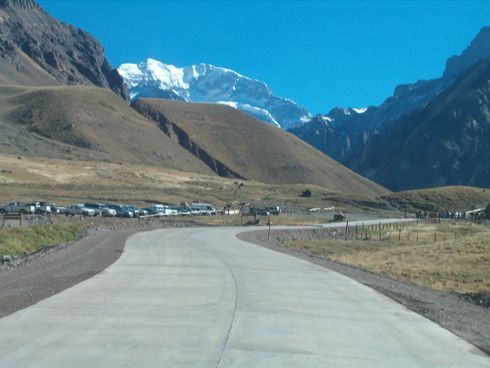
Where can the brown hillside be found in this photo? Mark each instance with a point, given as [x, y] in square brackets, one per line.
[237, 145]
[82, 122]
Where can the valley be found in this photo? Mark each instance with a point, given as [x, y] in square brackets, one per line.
[159, 215]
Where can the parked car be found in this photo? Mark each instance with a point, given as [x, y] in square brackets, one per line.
[259, 211]
[184, 211]
[153, 211]
[121, 211]
[174, 211]
[137, 212]
[18, 207]
[195, 211]
[339, 216]
[41, 208]
[159, 210]
[101, 209]
[58, 209]
[204, 208]
[79, 210]
[274, 210]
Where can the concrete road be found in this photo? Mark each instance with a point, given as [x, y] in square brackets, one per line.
[199, 297]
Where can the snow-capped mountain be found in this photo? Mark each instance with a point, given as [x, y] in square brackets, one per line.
[210, 84]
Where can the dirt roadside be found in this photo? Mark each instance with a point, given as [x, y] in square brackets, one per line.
[57, 268]
[451, 311]
[28, 280]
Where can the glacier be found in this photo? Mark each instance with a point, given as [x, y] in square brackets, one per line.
[206, 83]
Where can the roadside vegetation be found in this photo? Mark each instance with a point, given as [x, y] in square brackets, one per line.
[26, 240]
[452, 198]
[449, 257]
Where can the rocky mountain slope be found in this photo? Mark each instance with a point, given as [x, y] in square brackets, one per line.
[211, 84]
[445, 143]
[343, 133]
[36, 49]
[236, 145]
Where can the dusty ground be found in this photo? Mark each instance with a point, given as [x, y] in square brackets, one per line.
[56, 269]
[466, 316]
[66, 182]
[445, 256]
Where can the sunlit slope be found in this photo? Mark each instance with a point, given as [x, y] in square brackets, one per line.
[81, 122]
[250, 149]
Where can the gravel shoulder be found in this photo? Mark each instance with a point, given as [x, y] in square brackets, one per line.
[54, 269]
[451, 311]
[30, 279]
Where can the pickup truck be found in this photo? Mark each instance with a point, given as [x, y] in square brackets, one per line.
[18, 207]
[101, 209]
[79, 209]
[41, 208]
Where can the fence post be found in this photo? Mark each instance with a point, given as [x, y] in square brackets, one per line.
[269, 223]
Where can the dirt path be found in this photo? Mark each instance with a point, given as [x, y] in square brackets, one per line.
[42, 275]
[451, 311]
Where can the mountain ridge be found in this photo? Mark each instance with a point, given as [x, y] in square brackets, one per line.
[37, 49]
[345, 136]
[447, 142]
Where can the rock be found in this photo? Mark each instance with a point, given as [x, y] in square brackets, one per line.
[6, 259]
[68, 54]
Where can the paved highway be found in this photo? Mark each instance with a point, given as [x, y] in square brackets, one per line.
[199, 297]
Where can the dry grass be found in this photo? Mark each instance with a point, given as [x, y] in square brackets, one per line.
[70, 181]
[454, 198]
[457, 258]
[26, 240]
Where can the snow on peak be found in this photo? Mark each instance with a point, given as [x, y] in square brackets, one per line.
[360, 110]
[211, 84]
[326, 119]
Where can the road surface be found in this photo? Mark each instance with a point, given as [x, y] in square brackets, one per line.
[199, 297]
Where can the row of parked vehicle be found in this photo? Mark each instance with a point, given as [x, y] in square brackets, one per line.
[109, 210]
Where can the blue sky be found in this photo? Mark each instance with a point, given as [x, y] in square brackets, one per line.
[320, 54]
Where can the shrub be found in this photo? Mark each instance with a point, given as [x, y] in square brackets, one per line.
[306, 193]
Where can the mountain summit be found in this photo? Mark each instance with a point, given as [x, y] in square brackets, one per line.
[27, 4]
[37, 49]
[210, 84]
